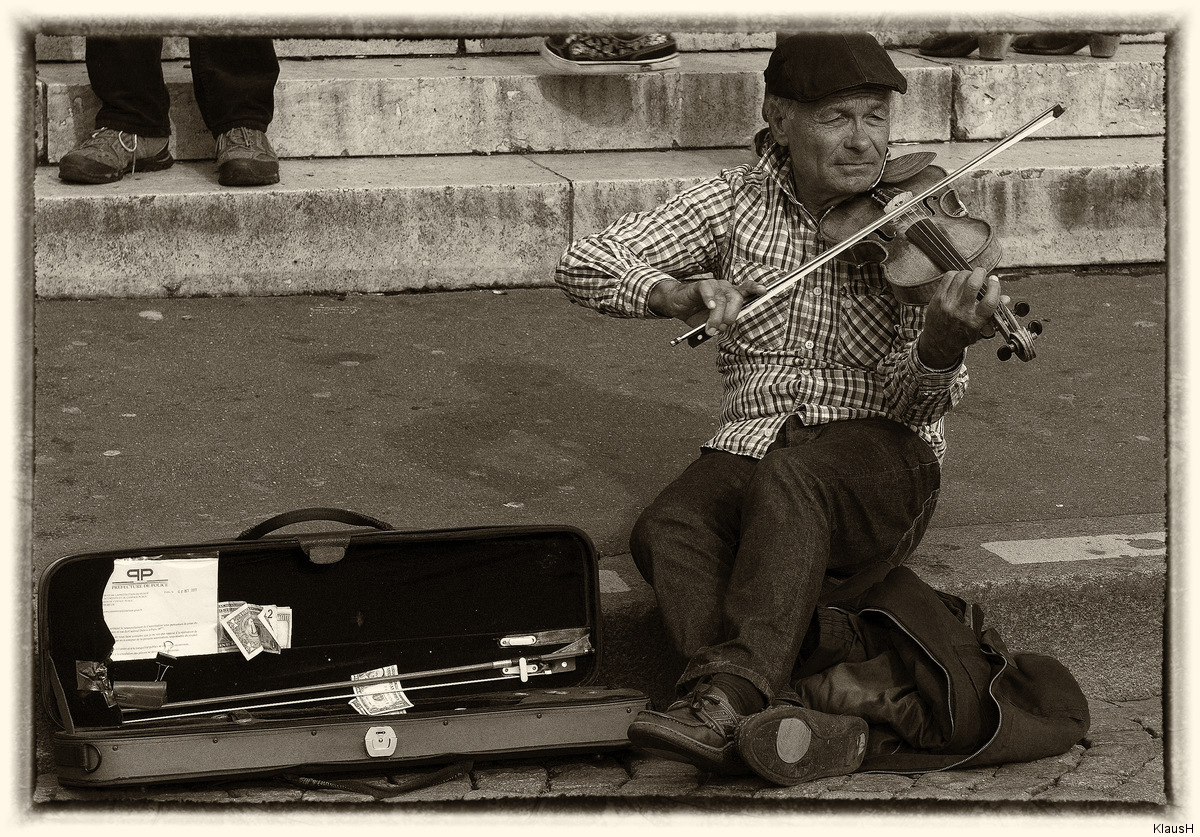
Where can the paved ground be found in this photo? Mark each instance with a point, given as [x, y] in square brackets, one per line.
[1117, 768]
[167, 421]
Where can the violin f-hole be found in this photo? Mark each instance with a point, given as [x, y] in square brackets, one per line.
[951, 205]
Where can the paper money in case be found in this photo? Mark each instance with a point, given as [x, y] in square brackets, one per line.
[380, 698]
[241, 628]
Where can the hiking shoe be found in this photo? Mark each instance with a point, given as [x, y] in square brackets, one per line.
[108, 155]
[245, 158]
[788, 745]
[623, 53]
[699, 730]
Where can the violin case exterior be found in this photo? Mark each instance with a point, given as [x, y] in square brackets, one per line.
[495, 633]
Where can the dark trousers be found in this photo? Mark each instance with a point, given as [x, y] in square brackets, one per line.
[738, 549]
[233, 79]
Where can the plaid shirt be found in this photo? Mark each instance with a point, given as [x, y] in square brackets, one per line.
[838, 345]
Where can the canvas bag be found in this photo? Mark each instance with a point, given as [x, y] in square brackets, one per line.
[938, 687]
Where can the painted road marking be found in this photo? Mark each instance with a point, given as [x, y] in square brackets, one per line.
[1086, 548]
[611, 582]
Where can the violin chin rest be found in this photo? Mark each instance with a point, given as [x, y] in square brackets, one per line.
[899, 169]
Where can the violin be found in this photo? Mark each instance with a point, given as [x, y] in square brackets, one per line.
[926, 215]
[926, 239]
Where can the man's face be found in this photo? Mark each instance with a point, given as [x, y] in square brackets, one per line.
[837, 144]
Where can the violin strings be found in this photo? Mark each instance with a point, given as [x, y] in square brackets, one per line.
[934, 242]
[929, 236]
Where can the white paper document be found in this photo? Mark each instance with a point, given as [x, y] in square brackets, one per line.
[154, 604]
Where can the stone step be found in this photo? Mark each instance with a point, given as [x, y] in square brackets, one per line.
[367, 225]
[485, 103]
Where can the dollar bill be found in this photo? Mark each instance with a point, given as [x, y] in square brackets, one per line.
[242, 628]
[274, 629]
[380, 698]
[282, 625]
[264, 621]
[225, 644]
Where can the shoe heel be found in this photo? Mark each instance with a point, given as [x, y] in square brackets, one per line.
[994, 47]
[1103, 46]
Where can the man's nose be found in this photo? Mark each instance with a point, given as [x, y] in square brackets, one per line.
[858, 138]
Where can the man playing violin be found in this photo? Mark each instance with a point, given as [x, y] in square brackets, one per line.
[827, 458]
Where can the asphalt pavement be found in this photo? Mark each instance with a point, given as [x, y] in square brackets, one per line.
[158, 421]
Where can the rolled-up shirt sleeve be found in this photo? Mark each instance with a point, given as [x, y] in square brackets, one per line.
[920, 395]
[615, 270]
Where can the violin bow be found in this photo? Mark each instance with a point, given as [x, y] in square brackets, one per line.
[698, 335]
[553, 662]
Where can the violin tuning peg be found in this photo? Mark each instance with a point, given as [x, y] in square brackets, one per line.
[1004, 352]
[1021, 309]
[1035, 327]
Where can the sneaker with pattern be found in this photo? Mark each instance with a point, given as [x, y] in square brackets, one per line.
[617, 53]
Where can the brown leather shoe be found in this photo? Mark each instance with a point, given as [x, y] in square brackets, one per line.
[948, 46]
[1050, 43]
[698, 729]
[789, 745]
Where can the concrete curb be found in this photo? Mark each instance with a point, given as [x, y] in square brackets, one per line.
[431, 223]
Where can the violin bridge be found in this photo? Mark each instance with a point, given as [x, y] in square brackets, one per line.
[896, 201]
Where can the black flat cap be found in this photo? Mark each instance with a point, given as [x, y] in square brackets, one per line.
[810, 66]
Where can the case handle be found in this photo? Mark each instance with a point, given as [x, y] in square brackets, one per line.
[306, 515]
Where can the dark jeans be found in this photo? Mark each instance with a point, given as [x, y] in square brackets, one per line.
[233, 79]
[737, 549]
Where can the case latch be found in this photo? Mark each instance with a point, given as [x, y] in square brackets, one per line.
[76, 755]
[381, 742]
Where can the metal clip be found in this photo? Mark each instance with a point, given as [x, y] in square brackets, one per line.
[527, 639]
[164, 661]
[552, 637]
[524, 668]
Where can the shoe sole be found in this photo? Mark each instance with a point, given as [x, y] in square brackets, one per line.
[247, 175]
[656, 740]
[247, 180]
[645, 65]
[789, 745]
[71, 174]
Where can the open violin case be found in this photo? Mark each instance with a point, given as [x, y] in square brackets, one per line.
[400, 648]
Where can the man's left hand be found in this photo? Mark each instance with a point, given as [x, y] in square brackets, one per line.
[959, 314]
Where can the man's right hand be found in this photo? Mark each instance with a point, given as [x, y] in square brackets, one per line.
[714, 302]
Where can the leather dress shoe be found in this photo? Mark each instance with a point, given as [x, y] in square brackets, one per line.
[698, 729]
[789, 745]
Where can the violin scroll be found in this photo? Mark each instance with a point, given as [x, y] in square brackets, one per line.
[1018, 339]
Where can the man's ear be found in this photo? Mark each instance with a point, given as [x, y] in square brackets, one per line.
[774, 113]
[777, 132]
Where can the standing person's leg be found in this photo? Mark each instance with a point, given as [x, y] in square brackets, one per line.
[133, 125]
[234, 81]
